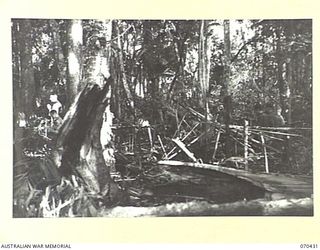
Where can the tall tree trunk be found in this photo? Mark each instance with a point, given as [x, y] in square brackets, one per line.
[227, 96]
[204, 64]
[57, 49]
[289, 94]
[85, 136]
[116, 88]
[17, 92]
[123, 76]
[27, 72]
[149, 67]
[74, 66]
[23, 81]
[204, 75]
[281, 85]
[289, 69]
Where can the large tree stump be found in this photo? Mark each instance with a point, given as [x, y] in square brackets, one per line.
[79, 144]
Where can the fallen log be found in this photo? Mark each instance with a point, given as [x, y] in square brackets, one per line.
[289, 186]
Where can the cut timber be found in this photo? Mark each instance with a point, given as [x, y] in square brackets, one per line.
[289, 186]
[183, 147]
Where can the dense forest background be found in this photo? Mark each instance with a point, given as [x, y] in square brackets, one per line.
[182, 78]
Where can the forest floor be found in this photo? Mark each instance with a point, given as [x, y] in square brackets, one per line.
[191, 189]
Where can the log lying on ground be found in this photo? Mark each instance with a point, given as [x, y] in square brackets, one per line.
[289, 186]
[292, 207]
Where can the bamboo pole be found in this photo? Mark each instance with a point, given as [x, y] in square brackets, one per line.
[216, 145]
[189, 144]
[246, 137]
[164, 151]
[276, 133]
[177, 120]
[191, 127]
[280, 128]
[185, 149]
[265, 153]
[191, 131]
[259, 143]
[185, 137]
[150, 137]
[266, 135]
[178, 128]
[269, 128]
[241, 143]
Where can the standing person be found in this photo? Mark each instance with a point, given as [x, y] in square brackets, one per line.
[54, 104]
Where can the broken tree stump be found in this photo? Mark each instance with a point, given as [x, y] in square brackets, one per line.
[80, 148]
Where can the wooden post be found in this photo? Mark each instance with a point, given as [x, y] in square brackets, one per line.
[179, 125]
[265, 153]
[216, 145]
[150, 137]
[177, 121]
[164, 151]
[138, 140]
[185, 137]
[246, 123]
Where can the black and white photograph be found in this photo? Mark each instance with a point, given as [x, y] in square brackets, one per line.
[162, 117]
